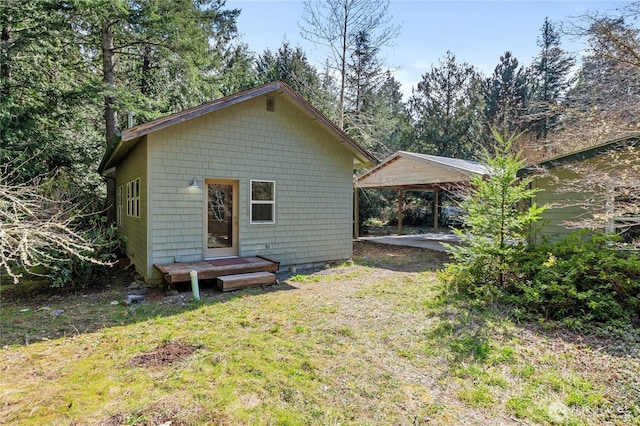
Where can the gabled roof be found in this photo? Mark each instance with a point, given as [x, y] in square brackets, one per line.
[130, 137]
[414, 170]
[584, 154]
[470, 167]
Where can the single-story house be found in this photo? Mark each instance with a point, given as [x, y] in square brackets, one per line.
[261, 172]
[596, 187]
[411, 171]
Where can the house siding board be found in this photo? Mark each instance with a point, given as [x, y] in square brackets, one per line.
[562, 205]
[134, 166]
[626, 154]
[312, 171]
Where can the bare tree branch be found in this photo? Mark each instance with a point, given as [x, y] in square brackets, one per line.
[36, 230]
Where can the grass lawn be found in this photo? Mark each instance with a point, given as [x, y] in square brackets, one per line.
[374, 342]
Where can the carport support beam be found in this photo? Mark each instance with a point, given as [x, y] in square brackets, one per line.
[435, 208]
[400, 211]
[356, 213]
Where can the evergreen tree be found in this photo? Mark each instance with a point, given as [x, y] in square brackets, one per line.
[496, 225]
[46, 106]
[396, 133]
[550, 80]
[382, 124]
[506, 95]
[67, 67]
[368, 116]
[291, 66]
[444, 108]
[236, 71]
[364, 74]
[155, 56]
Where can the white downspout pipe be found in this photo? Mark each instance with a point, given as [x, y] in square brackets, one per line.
[194, 285]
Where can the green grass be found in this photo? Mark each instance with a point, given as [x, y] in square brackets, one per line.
[354, 345]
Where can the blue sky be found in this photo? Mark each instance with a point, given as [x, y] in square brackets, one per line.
[477, 31]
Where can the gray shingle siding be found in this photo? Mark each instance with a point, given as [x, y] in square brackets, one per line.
[312, 171]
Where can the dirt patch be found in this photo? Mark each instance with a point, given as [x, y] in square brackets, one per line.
[399, 258]
[162, 356]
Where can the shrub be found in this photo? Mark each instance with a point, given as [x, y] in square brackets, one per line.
[106, 243]
[582, 277]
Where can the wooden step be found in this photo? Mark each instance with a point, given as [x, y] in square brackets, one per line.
[214, 268]
[238, 281]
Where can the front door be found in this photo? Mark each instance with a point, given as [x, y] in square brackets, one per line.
[221, 221]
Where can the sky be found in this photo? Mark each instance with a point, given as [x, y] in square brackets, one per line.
[476, 31]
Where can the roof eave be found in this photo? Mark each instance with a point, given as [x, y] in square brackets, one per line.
[110, 154]
[433, 159]
[583, 154]
[362, 158]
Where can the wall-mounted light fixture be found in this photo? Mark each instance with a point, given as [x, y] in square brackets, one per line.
[194, 183]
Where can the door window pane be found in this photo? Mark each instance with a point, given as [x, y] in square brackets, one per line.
[219, 216]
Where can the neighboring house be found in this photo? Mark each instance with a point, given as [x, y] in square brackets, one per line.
[261, 172]
[588, 187]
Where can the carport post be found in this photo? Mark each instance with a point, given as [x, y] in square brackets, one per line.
[356, 212]
[435, 208]
[399, 211]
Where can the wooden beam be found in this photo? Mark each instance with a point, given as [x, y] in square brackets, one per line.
[435, 209]
[356, 213]
[238, 281]
[400, 211]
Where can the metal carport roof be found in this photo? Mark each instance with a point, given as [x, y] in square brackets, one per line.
[407, 171]
[410, 170]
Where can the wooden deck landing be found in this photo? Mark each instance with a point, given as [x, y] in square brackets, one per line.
[214, 268]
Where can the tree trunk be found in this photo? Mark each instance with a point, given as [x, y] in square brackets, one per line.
[343, 67]
[145, 78]
[5, 68]
[109, 80]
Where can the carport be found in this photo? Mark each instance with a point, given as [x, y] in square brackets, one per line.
[410, 171]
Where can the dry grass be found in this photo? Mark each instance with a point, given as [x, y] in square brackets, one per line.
[375, 342]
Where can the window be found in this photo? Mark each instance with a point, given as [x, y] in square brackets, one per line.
[263, 201]
[119, 205]
[626, 220]
[133, 198]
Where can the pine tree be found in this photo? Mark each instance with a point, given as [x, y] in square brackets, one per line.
[44, 93]
[444, 108]
[364, 74]
[291, 66]
[496, 225]
[382, 124]
[550, 81]
[506, 95]
[155, 56]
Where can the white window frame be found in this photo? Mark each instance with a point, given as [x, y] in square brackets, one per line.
[129, 198]
[613, 222]
[133, 198]
[119, 206]
[253, 202]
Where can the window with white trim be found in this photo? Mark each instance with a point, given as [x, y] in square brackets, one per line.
[263, 201]
[627, 214]
[133, 198]
[119, 205]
